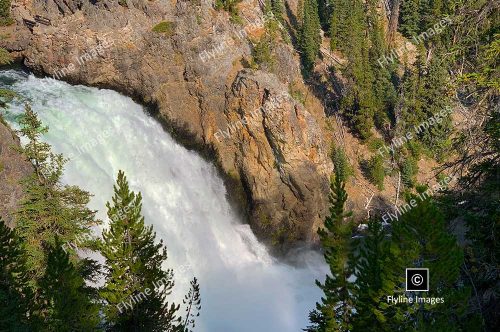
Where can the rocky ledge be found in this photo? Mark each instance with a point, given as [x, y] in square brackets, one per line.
[13, 168]
[268, 146]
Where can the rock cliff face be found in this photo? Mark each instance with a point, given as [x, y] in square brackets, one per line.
[270, 147]
[13, 168]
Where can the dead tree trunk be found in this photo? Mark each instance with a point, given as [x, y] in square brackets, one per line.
[393, 21]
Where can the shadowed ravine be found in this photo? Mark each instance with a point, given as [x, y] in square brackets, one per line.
[101, 131]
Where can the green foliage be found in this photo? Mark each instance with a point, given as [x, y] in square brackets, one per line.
[134, 267]
[417, 16]
[231, 7]
[48, 209]
[165, 27]
[325, 12]
[487, 75]
[192, 301]
[15, 294]
[378, 274]
[376, 171]
[409, 18]
[277, 8]
[300, 12]
[414, 149]
[384, 91]
[66, 302]
[374, 144]
[336, 307]
[425, 96]
[296, 94]
[409, 169]
[5, 57]
[378, 260]
[6, 96]
[422, 235]
[478, 194]
[262, 52]
[339, 24]
[123, 3]
[45, 285]
[5, 18]
[342, 167]
[370, 94]
[309, 34]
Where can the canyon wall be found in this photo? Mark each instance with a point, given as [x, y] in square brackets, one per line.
[270, 148]
[13, 168]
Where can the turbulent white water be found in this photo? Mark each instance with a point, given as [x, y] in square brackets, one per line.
[243, 288]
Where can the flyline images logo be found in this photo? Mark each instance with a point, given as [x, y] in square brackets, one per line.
[417, 280]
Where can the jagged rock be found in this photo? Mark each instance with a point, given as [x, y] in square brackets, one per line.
[13, 168]
[194, 79]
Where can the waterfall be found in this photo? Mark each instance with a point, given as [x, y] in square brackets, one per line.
[243, 288]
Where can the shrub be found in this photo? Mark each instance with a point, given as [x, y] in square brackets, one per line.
[375, 143]
[415, 148]
[230, 6]
[342, 167]
[262, 52]
[6, 96]
[5, 18]
[123, 3]
[409, 169]
[376, 172]
[296, 93]
[164, 27]
[5, 57]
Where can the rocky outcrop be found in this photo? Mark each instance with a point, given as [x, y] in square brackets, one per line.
[13, 168]
[270, 147]
[280, 157]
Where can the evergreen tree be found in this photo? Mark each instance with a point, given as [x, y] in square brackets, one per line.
[136, 286]
[335, 310]
[425, 95]
[378, 261]
[421, 233]
[409, 169]
[384, 92]
[358, 103]
[48, 208]
[409, 18]
[14, 291]
[339, 24]
[342, 167]
[309, 37]
[277, 8]
[325, 11]
[370, 94]
[436, 99]
[192, 301]
[376, 171]
[300, 12]
[478, 194]
[264, 50]
[66, 302]
[378, 274]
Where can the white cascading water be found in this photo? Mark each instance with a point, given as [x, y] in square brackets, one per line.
[243, 288]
